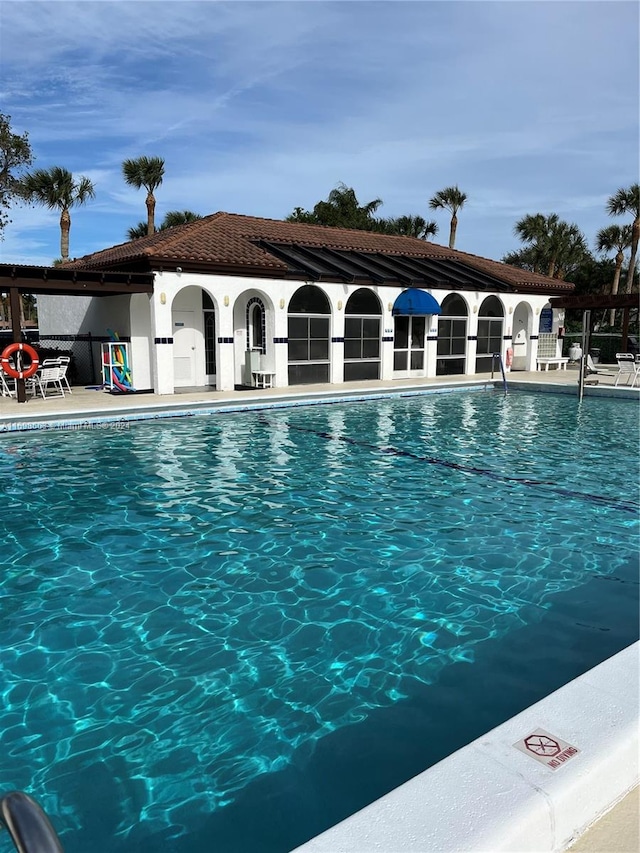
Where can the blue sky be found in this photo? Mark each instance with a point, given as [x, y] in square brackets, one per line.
[259, 107]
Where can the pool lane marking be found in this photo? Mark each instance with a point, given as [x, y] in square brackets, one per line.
[627, 506]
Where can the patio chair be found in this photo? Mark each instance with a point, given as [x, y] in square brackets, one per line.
[8, 386]
[49, 377]
[64, 361]
[591, 368]
[628, 367]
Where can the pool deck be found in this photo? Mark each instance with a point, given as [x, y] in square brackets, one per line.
[87, 404]
[614, 832]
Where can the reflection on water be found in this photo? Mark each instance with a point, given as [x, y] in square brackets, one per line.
[207, 596]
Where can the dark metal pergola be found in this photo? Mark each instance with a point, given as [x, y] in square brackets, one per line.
[16, 279]
[589, 302]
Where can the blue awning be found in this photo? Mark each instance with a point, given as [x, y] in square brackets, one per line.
[415, 301]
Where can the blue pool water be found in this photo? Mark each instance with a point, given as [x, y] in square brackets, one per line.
[228, 632]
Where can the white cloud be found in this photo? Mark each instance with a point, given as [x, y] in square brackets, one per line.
[258, 107]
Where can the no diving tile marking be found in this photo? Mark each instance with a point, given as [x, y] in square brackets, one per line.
[546, 748]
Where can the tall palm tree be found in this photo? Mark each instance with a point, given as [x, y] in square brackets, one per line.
[146, 172]
[57, 189]
[617, 238]
[451, 199]
[628, 201]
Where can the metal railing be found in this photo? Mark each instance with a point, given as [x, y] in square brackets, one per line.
[29, 827]
[494, 356]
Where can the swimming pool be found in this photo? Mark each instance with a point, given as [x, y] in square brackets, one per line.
[228, 632]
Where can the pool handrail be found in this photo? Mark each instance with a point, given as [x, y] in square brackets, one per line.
[494, 356]
[29, 827]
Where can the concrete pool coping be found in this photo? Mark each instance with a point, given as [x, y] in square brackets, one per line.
[490, 796]
[87, 406]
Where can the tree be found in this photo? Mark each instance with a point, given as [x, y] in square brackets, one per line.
[171, 219]
[15, 154]
[453, 200]
[341, 210]
[618, 238]
[554, 247]
[628, 201]
[409, 226]
[178, 217]
[146, 172]
[57, 189]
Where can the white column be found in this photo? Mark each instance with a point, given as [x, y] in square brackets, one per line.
[472, 346]
[162, 344]
[280, 346]
[336, 347]
[225, 364]
[386, 353]
[431, 346]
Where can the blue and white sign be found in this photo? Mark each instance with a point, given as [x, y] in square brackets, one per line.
[546, 320]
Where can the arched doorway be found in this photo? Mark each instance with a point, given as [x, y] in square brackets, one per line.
[452, 336]
[522, 325]
[363, 315]
[194, 338]
[309, 317]
[490, 324]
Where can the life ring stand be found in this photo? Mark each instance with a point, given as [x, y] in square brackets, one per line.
[10, 370]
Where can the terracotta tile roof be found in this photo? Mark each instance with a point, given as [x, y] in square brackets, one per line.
[226, 243]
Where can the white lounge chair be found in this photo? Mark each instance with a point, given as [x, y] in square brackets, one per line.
[627, 367]
[591, 368]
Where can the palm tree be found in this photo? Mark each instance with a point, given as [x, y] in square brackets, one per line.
[628, 201]
[341, 210]
[412, 226]
[609, 239]
[554, 244]
[453, 200]
[146, 172]
[57, 189]
[171, 219]
[179, 217]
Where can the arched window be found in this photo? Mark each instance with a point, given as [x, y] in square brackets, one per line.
[362, 336]
[256, 337]
[308, 335]
[209, 313]
[490, 323]
[452, 336]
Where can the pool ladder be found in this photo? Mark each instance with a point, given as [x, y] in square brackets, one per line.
[498, 356]
[28, 826]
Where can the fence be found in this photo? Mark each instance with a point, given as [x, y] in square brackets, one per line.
[607, 344]
[84, 350]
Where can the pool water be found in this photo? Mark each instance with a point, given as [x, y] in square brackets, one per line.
[228, 632]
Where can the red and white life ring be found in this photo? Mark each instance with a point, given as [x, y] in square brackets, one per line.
[10, 370]
[509, 359]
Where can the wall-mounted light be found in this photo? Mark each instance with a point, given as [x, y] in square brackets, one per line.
[511, 310]
[178, 270]
[475, 309]
[390, 306]
[163, 298]
[282, 303]
[226, 301]
[339, 304]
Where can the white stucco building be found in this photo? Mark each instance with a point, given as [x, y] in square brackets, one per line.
[239, 300]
